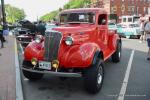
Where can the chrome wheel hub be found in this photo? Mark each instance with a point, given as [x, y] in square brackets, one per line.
[99, 77]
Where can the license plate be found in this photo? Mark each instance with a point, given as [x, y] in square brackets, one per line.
[45, 65]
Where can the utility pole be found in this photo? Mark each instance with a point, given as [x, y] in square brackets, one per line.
[3, 14]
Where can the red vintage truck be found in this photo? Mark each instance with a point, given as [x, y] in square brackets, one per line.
[77, 48]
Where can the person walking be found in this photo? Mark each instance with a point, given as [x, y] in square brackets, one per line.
[142, 31]
[2, 38]
[147, 31]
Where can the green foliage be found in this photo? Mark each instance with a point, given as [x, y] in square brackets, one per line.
[70, 5]
[14, 14]
[49, 16]
[77, 4]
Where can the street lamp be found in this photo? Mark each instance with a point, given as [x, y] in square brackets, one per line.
[3, 14]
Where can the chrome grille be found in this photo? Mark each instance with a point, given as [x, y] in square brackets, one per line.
[51, 45]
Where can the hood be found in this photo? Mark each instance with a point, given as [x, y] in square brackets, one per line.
[74, 29]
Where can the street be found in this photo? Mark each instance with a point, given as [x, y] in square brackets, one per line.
[128, 79]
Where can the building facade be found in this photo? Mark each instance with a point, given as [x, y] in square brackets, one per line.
[124, 7]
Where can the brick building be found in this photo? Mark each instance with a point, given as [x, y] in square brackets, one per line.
[124, 7]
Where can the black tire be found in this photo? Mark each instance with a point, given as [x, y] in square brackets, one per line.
[63, 78]
[31, 75]
[117, 55]
[93, 77]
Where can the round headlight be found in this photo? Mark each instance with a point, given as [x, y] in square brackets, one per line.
[38, 39]
[69, 40]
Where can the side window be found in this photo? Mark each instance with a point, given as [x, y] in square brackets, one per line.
[102, 19]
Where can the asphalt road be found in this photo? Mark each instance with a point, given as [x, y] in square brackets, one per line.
[130, 77]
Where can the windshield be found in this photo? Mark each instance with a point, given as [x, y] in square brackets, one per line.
[77, 18]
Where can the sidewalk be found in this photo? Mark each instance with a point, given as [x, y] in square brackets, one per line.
[7, 71]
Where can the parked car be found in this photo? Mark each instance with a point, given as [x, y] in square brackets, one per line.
[26, 33]
[131, 30]
[77, 48]
[112, 26]
[49, 27]
[120, 30]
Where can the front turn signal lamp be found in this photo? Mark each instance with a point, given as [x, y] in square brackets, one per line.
[55, 64]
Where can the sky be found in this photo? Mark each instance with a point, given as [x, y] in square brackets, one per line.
[36, 8]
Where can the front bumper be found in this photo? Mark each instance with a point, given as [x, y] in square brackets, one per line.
[54, 73]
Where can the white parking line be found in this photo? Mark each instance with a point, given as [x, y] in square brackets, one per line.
[126, 78]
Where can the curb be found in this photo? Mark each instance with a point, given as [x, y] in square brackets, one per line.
[19, 89]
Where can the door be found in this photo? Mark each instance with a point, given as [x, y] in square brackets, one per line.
[103, 30]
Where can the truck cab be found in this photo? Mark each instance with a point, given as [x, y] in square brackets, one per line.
[77, 48]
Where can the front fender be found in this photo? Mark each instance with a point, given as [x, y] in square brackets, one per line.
[34, 50]
[79, 55]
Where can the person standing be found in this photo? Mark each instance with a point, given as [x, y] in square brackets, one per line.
[147, 30]
[41, 28]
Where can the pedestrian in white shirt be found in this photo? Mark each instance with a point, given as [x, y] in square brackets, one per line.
[142, 31]
[147, 30]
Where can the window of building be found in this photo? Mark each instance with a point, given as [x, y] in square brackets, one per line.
[129, 19]
[124, 19]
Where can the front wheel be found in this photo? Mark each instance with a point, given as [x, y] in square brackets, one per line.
[94, 77]
[32, 75]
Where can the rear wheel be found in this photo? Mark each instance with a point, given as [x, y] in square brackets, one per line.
[117, 55]
[94, 77]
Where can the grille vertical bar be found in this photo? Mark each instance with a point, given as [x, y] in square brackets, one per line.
[51, 45]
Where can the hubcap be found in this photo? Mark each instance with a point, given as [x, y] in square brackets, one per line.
[100, 72]
[119, 54]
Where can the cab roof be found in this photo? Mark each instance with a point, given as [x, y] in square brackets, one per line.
[100, 10]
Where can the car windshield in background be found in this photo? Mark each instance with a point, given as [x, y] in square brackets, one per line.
[77, 18]
[134, 25]
[119, 26]
[111, 24]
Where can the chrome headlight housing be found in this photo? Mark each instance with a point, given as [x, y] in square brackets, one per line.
[38, 38]
[69, 41]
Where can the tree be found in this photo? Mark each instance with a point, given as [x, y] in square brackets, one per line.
[14, 14]
[70, 5]
[49, 16]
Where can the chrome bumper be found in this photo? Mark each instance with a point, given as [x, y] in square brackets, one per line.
[61, 74]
